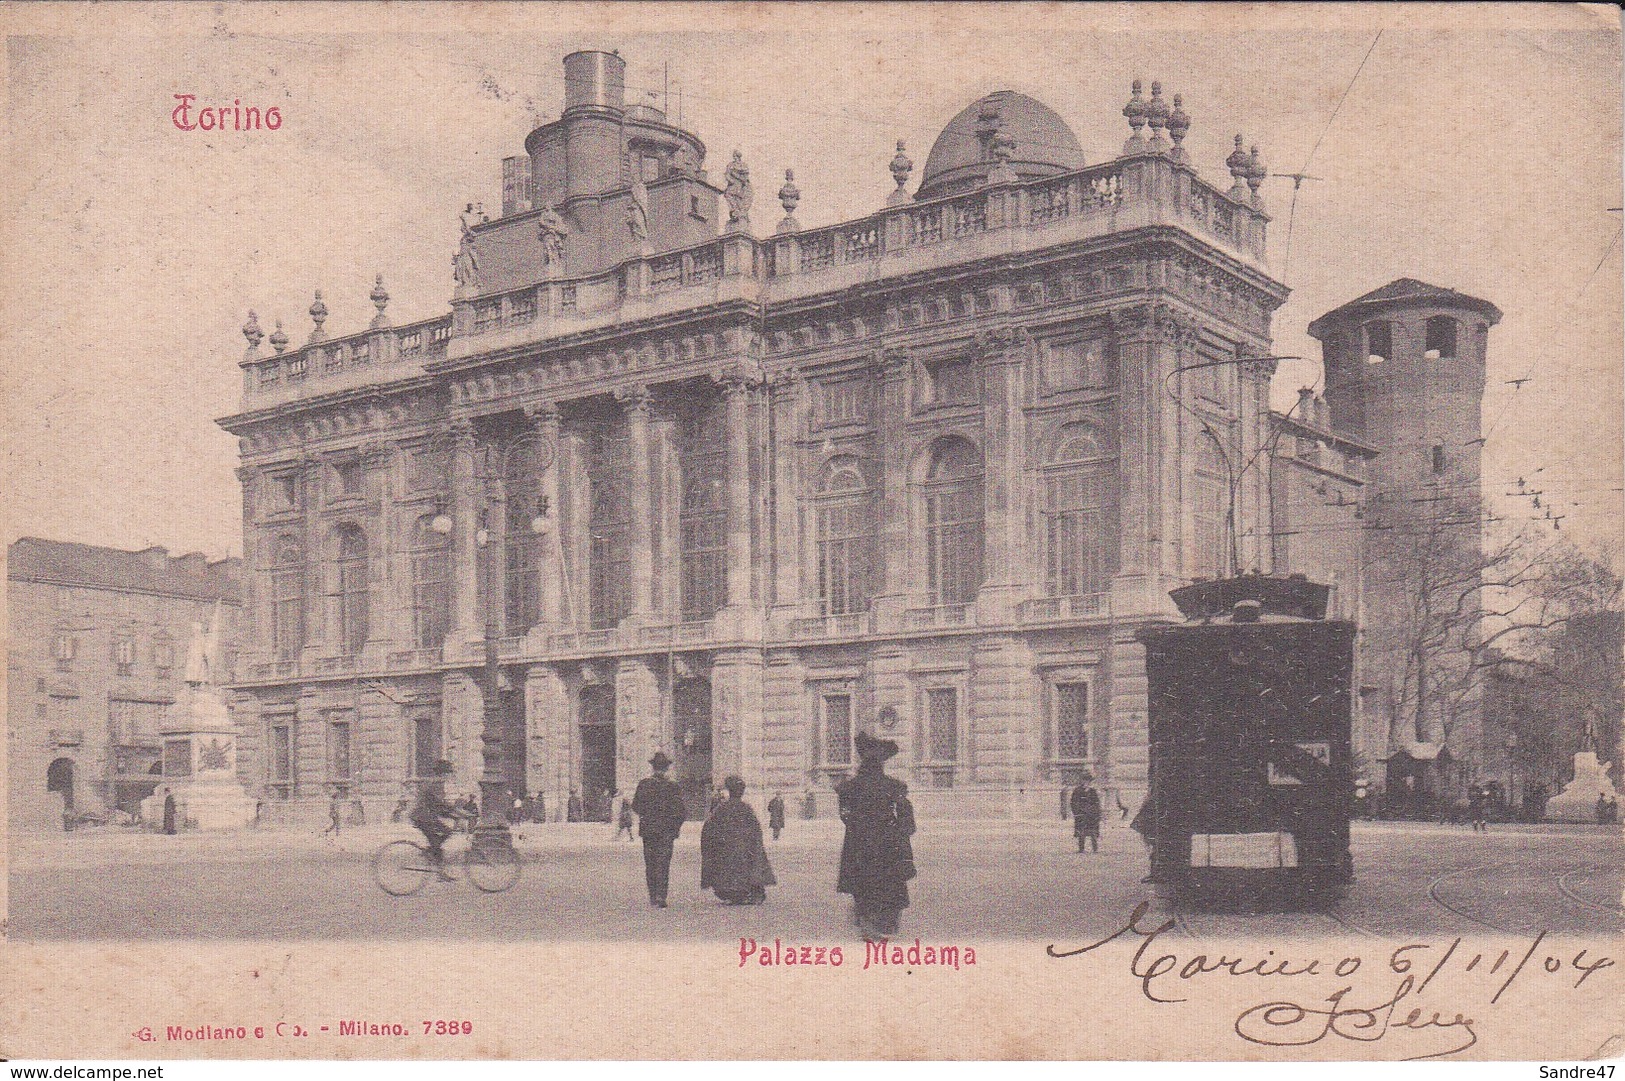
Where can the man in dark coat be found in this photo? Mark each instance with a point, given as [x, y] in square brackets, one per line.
[775, 814]
[660, 811]
[733, 860]
[169, 812]
[1085, 806]
[877, 859]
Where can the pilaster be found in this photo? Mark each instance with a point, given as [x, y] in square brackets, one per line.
[465, 582]
[1004, 357]
[638, 717]
[892, 596]
[736, 714]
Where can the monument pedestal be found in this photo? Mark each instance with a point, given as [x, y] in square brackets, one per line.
[200, 768]
[1578, 800]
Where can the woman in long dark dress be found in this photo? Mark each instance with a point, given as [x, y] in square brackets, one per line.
[877, 858]
[733, 860]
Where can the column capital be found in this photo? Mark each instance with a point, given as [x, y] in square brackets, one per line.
[542, 413]
[893, 362]
[377, 454]
[1006, 343]
[461, 432]
[736, 381]
[634, 400]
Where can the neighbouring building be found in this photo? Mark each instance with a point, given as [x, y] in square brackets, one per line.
[96, 656]
[738, 491]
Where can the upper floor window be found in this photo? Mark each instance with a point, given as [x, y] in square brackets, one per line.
[609, 528]
[1441, 337]
[703, 515]
[1379, 341]
[522, 545]
[1080, 516]
[64, 649]
[431, 574]
[1210, 511]
[846, 531]
[350, 587]
[843, 401]
[124, 653]
[163, 656]
[1079, 362]
[287, 594]
[950, 382]
[346, 478]
[282, 492]
[953, 522]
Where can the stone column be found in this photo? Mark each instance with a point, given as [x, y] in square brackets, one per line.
[465, 626]
[1137, 587]
[666, 483]
[544, 420]
[1008, 555]
[736, 389]
[787, 398]
[318, 623]
[383, 542]
[1253, 501]
[635, 401]
[575, 498]
[736, 715]
[638, 720]
[892, 531]
[547, 708]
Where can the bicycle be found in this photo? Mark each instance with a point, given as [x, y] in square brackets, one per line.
[401, 867]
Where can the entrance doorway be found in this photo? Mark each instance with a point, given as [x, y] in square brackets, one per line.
[513, 741]
[59, 778]
[597, 750]
[691, 713]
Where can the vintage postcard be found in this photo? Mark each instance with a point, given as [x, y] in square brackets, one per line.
[813, 531]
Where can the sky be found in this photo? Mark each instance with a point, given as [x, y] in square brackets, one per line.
[1477, 149]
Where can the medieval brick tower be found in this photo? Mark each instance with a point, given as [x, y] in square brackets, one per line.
[1405, 374]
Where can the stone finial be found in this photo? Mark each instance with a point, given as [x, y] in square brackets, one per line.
[1256, 172]
[1135, 111]
[1179, 122]
[251, 331]
[279, 339]
[1156, 114]
[379, 297]
[318, 315]
[1239, 165]
[789, 198]
[1003, 148]
[901, 167]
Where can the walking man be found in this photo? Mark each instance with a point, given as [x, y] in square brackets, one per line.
[775, 814]
[1085, 805]
[660, 811]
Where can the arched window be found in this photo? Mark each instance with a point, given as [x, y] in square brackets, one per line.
[846, 532]
[703, 513]
[350, 587]
[1080, 516]
[1441, 337]
[1210, 489]
[287, 594]
[610, 501]
[953, 522]
[431, 573]
[522, 546]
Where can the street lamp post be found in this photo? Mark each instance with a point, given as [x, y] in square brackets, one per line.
[492, 831]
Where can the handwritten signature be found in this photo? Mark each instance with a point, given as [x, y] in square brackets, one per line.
[1287, 1023]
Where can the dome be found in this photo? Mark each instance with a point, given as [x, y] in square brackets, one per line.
[1044, 145]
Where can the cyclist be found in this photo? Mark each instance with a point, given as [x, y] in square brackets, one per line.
[431, 815]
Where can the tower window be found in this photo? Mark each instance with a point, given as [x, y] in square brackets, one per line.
[1438, 459]
[1379, 341]
[1441, 339]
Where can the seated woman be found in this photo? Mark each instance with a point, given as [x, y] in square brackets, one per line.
[733, 860]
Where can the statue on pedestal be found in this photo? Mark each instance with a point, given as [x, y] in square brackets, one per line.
[738, 193]
[465, 265]
[637, 214]
[551, 229]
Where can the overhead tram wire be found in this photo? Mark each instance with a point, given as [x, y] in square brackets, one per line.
[1302, 174]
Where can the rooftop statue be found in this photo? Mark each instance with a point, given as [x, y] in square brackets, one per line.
[551, 229]
[203, 652]
[465, 265]
[738, 191]
[637, 215]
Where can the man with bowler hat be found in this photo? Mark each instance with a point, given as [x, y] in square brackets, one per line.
[660, 810]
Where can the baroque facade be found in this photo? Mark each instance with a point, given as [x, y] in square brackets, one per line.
[94, 661]
[740, 496]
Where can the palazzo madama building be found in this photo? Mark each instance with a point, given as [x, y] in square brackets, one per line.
[736, 490]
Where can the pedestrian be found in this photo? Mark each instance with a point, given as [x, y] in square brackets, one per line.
[660, 811]
[1477, 804]
[732, 859]
[1602, 809]
[573, 809]
[877, 858]
[1085, 808]
[775, 814]
[809, 805]
[335, 814]
[539, 808]
[623, 818]
[169, 812]
[711, 804]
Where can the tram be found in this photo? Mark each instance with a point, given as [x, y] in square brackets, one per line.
[1250, 787]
